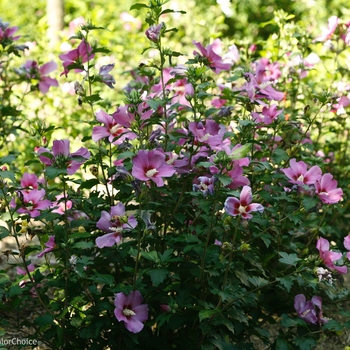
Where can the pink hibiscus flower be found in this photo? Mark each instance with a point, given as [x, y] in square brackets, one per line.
[327, 190]
[299, 175]
[114, 223]
[115, 126]
[31, 70]
[347, 245]
[80, 55]
[50, 246]
[210, 57]
[243, 205]
[329, 256]
[328, 32]
[61, 157]
[151, 165]
[31, 202]
[130, 310]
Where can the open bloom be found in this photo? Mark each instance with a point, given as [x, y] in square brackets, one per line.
[6, 33]
[151, 165]
[243, 205]
[78, 56]
[115, 126]
[328, 32]
[114, 223]
[267, 115]
[210, 57]
[62, 204]
[329, 256]
[50, 246]
[31, 70]
[299, 175]
[305, 309]
[310, 311]
[327, 190]
[130, 310]
[31, 202]
[61, 157]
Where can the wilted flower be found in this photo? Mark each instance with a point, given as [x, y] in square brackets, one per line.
[307, 309]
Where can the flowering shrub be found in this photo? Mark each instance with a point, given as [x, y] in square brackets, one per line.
[191, 215]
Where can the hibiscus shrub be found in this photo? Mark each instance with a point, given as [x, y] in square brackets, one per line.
[199, 214]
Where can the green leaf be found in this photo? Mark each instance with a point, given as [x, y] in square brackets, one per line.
[103, 278]
[44, 320]
[286, 282]
[83, 245]
[88, 184]
[257, 281]
[281, 344]
[138, 6]
[333, 325]
[288, 259]
[157, 276]
[310, 202]
[203, 314]
[279, 155]
[8, 175]
[166, 255]
[305, 343]
[8, 159]
[15, 290]
[287, 321]
[4, 232]
[225, 180]
[53, 172]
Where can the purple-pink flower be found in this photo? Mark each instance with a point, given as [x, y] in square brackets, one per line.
[328, 32]
[61, 158]
[243, 205]
[115, 126]
[130, 310]
[326, 189]
[154, 31]
[347, 245]
[267, 115]
[329, 256]
[80, 55]
[114, 223]
[307, 310]
[6, 33]
[298, 173]
[31, 70]
[31, 202]
[105, 77]
[151, 165]
[62, 204]
[50, 246]
[210, 58]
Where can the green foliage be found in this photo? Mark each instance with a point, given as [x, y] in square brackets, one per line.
[182, 193]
